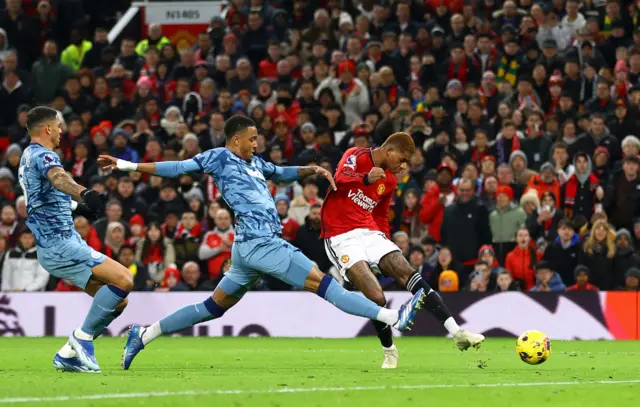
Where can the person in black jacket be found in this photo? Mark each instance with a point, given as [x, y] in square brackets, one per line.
[466, 218]
[600, 255]
[308, 239]
[626, 258]
[622, 196]
[564, 253]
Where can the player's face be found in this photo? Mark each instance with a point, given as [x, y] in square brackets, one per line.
[53, 129]
[397, 161]
[247, 142]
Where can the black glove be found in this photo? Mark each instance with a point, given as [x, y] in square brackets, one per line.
[83, 210]
[94, 201]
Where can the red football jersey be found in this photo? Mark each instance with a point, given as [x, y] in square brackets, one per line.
[357, 204]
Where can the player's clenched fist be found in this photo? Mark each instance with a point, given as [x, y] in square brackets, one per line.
[375, 174]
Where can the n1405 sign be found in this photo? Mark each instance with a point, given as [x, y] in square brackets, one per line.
[180, 15]
[181, 12]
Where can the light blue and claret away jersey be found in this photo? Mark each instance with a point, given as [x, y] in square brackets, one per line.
[243, 185]
[48, 210]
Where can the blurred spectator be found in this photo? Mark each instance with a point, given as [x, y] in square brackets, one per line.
[187, 238]
[504, 282]
[10, 227]
[626, 258]
[436, 198]
[289, 225]
[401, 239]
[466, 217]
[113, 213]
[505, 221]
[126, 257]
[581, 276]
[49, 73]
[308, 239]
[216, 244]
[547, 181]
[156, 252]
[130, 203]
[622, 198]
[20, 268]
[191, 279]
[632, 280]
[154, 39]
[348, 91]
[88, 233]
[565, 252]
[114, 239]
[547, 280]
[445, 262]
[448, 281]
[522, 260]
[582, 191]
[600, 255]
[301, 206]
[73, 55]
[543, 222]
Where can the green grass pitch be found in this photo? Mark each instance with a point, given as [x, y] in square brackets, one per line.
[276, 372]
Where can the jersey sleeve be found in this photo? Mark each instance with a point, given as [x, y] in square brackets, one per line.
[278, 174]
[210, 161]
[347, 170]
[47, 161]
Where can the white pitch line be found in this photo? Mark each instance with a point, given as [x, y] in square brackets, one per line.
[301, 390]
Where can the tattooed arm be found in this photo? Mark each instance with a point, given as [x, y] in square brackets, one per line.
[64, 183]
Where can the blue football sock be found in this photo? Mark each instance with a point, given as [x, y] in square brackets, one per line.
[100, 329]
[103, 306]
[347, 301]
[190, 315]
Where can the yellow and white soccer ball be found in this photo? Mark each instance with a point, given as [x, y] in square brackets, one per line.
[533, 347]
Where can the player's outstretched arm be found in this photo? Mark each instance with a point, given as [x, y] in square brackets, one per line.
[168, 169]
[313, 170]
[63, 182]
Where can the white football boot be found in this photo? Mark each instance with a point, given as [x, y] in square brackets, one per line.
[390, 357]
[465, 339]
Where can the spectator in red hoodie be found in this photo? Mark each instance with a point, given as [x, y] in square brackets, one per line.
[88, 233]
[267, 69]
[581, 274]
[286, 106]
[436, 199]
[522, 260]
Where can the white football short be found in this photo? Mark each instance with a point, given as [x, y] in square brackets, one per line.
[347, 249]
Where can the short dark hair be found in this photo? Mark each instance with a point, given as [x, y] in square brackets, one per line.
[38, 115]
[237, 124]
[401, 142]
[566, 223]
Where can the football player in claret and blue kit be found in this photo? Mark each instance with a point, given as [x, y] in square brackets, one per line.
[51, 195]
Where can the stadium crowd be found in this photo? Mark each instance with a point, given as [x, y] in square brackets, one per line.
[525, 114]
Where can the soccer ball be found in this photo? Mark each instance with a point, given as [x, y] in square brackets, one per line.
[533, 347]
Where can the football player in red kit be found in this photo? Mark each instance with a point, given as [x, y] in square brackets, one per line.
[355, 228]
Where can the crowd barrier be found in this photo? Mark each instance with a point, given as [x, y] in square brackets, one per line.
[584, 315]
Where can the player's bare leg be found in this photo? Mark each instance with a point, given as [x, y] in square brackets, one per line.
[213, 307]
[396, 266]
[365, 281]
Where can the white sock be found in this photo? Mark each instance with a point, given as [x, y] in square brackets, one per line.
[451, 325]
[151, 333]
[388, 316]
[392, 347]
[67, 351]
[80, 334]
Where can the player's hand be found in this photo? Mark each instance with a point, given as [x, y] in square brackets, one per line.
[375, 174]
[111, 163]
[326, 174]
[93, 200]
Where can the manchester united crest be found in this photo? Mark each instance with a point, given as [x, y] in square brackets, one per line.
[344, 258]
[381, 189]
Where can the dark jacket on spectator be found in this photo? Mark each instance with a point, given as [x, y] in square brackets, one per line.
[547, 230]
[469, 219]
[625, 259]
[308, 241]
[622, 200]
[563, 260]
[601, 267]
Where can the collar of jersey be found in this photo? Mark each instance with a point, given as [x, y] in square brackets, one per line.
[33, 143]
[241, 160]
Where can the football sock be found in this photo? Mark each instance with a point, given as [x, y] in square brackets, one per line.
[190, 315]
[384, 333]
[67, 351]
[100, 329]
[103, 306]
[433, 302]
[353, 303]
